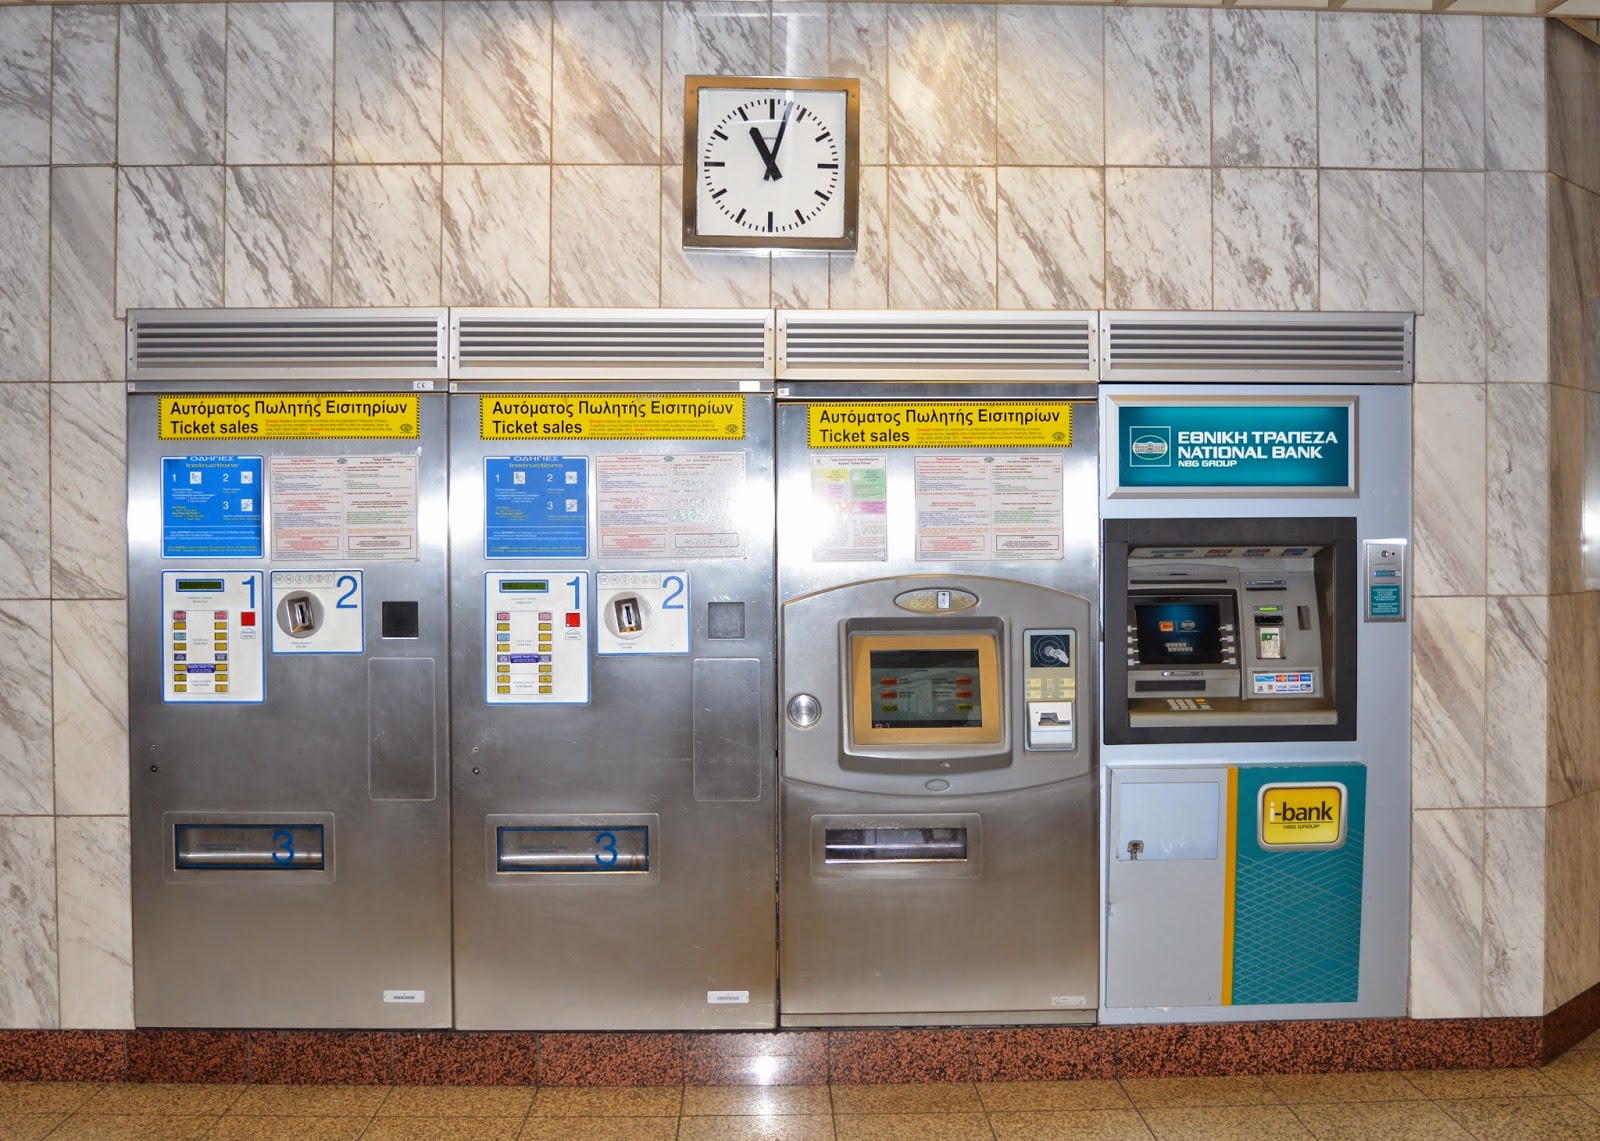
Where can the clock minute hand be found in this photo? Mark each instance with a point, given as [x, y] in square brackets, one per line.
[766, 155]
[777, 143]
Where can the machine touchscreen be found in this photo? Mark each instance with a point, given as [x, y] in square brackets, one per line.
[924, 689]
[1186, 632]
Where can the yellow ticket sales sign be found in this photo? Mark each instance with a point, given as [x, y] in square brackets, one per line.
[290, 416]
[1302, 815]
[611, 416]
[941, 424]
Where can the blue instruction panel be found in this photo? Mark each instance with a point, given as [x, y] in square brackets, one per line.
[211, 507]
[536, 507]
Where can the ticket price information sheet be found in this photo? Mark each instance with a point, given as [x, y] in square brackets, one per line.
[971, 508]
[682, 506]
[849, 506]
[339, 508]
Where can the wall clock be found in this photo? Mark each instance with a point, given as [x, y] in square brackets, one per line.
[770, 163]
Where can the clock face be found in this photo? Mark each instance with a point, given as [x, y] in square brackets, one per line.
[771, 168]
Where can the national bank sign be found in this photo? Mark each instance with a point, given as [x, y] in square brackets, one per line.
[1238, 446]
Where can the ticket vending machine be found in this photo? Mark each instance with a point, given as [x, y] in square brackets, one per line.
[936, 569]
[613, 636]
[287, 668]
[1257, 665]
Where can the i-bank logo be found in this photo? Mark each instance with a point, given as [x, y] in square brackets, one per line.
[1150, 446]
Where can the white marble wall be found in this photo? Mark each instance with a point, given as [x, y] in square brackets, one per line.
[525, 152]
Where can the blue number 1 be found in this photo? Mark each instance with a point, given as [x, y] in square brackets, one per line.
[250, 581]
[577, 600]
[607, 843]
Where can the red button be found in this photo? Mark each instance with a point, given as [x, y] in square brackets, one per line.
[574, 619]
[247, 618]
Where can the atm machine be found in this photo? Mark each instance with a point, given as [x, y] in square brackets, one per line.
[937, 564]
[1256, 512]
[612, 632]
[287, 668]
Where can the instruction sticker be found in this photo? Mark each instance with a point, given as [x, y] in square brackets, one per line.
[675, 506]
[1302, 815]
[338, 508]
[973, 508]
[849, 509]
[941, 424]
[291, 416]
[618, 416]
[536, 507]
[211, 507]
[642, 612]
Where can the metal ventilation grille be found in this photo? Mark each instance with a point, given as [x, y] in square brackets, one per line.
[1308, 347]
[286, 344]
[936, 346]
[620, 344]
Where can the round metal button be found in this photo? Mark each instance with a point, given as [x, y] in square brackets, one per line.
[804, 711]
[937, 785]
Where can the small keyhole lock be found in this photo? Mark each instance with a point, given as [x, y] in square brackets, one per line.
[1134, 848]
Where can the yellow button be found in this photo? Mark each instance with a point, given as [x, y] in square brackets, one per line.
[544, 625]
[546, 689]
[219, 625]
[502, 625]
[502, 689]
[180, 688]
[180, 625]
[222, 687]
[544, 647]
[180, 668]
[503, 670]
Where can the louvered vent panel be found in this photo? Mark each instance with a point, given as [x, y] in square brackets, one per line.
[937, 347]
[552, 344]
[286, 344]
[1221, 346]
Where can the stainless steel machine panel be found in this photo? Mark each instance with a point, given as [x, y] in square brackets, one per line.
[290, 824]
[613, 645]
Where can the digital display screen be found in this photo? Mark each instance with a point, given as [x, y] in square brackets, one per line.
[187, 584]
[1179, 633]
[925, 689]
[532, 586]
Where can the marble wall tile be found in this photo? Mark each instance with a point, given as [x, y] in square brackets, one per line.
[695, 278]
[1573, 72]
[800, 281]
[24, 86]
[1051, 93]
[1264, 88]
[170, 85]
[96, 923]
[1589, 532]
[1519, 489]
[1574, 284]
[1370, 228]
[497, 81]
[942, 84]
[1567, 448]
[942, 251]
[1451, 333]
[1158, 87]
[1513, 912]
[1572, 922]
[24, 273]
[1452, 92]
[169, 237]
[279, 249]
[388, 81]
[861, 280]
[1514, 93]
[24, 491]
[1517, 218]
[88, 496]
[86, 340]
[1052, 225]
[497, 235]
[708, 37]
[858, 48]
[90, 663]
[1446, 914]
[386, 235]
[1370, 89]
[1448, 702]
[29, 995]
[1573, 723]
[605, 235]
[607, 104]
[1449, 489]
[26, 785]
[800, 37]
[280, 83]
[83, 84]
[1518, 663]
[1158, 239]
[1264, 247]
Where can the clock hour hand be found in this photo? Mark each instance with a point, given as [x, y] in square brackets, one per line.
[768, 157]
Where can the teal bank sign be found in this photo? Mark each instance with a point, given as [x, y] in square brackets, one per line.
[1234, 445]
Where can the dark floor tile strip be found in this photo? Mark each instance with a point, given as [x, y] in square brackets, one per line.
[188, 1056]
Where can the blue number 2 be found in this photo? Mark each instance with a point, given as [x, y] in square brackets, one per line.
[607, 843]
[344, 602]
[284, 852]
[676, 584]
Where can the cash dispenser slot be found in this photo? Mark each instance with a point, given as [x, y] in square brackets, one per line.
[554, 848]
[893, 845]
[249, 847]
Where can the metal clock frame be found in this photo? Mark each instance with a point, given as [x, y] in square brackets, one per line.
[767, 243]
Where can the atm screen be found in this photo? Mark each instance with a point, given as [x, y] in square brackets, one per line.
[924, 689]
[1180, 633]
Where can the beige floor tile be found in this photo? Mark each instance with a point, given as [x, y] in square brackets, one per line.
[132, 1098]
[737, 1101]
[309, 1101]
[457, 1101]
[777, 1127]
[1380, 1121]
[1577, 1072]
[44, 1097]
[1071, 1125]
[1224, 1123]
[599, 1129]
[933, 1097]
[145, 1127]
[913, 1127]
[28, 1126]
[1194, 1093]
[1592, 1042]
[436, 1128]
[609, 1101]
[1442, 1084]
[1002, 1097]
[1509, 1118]
[262, 1128]
[1308, 1089]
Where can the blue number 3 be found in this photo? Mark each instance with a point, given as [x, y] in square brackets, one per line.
[607, 843]
[284, 852]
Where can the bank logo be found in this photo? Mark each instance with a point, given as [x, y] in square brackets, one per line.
[1150, 446]
[1302, 816]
